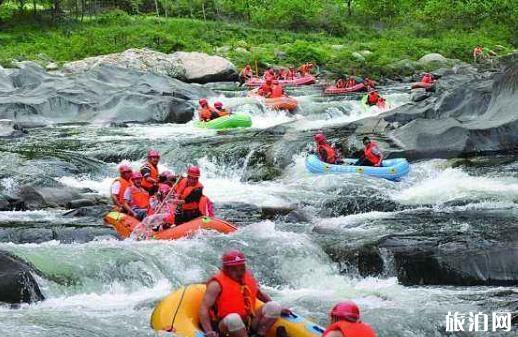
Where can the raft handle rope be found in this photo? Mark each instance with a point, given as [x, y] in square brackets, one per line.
[178, 307]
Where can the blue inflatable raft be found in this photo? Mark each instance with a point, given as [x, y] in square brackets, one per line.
[392, 169]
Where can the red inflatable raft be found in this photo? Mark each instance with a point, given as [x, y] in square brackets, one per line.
[306, 80]
[333, 90]
[124, 225]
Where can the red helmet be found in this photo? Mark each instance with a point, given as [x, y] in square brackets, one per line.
[319, 138]
[347, 310]
[233, 258]
[153, 153]
[193, 171]
[124, 168]
[203, 102]
[136, 175]
[218, 105]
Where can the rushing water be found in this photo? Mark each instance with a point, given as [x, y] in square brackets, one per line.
[107, 287]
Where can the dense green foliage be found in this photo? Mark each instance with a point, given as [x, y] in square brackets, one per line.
[328, 32]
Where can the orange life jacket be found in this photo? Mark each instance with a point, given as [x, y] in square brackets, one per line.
[277, 91]
[183, 191]
[327, 151]
[290, 75]
[139, 197]
[372, 98]
[124, 184]
[223, 112]
[205, 114]
[351, 329]
[235, 297]
[367, 152]
[153, 175]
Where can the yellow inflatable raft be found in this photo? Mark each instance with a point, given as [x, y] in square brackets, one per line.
[178, 313]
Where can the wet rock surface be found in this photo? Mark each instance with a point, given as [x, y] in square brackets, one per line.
[17, 283]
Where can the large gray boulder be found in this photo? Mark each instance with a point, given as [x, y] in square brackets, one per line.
[469, 113]
[145, 60]
[203, 68]
[17, 283]
[103, 94]
[433, 59]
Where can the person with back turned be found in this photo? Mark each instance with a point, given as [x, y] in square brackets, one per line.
[372, 155]
[325, 151]
[229, 305]
[345, 322]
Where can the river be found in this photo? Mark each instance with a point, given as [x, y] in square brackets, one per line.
[107, 287]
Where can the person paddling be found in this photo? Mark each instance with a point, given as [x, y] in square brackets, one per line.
[372, 155]
[277, 90]
[220, 109]
[345, 322]
[228, 307]
[325, 151]
[136, 198]
[372, 97]
[206, 113]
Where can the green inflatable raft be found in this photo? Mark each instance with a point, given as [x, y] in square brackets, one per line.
[227, 122]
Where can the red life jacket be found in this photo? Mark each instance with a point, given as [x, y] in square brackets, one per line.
[327, 150]
[351, 329]
[372, 98]
[139, 197]
[266, 90]
[183, 191]
[427, 79]
[369, 155]
[153, 175]
[277, 91]
[124, 184]
[340, 83]
[350, 83]
[232, 299]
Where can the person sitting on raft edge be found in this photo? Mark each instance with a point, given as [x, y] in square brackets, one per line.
[345, 322]
[206, 112]
[119, 187]
[150, 173]
[372, 155]
[325, 151]
[228, 307]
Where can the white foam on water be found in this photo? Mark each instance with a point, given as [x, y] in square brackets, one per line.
[453, 184]
[30, 216]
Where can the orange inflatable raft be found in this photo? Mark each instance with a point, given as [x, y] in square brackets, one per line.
[280, 103]
[124, 225]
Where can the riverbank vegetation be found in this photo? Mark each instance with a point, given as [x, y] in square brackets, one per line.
[353, 35]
